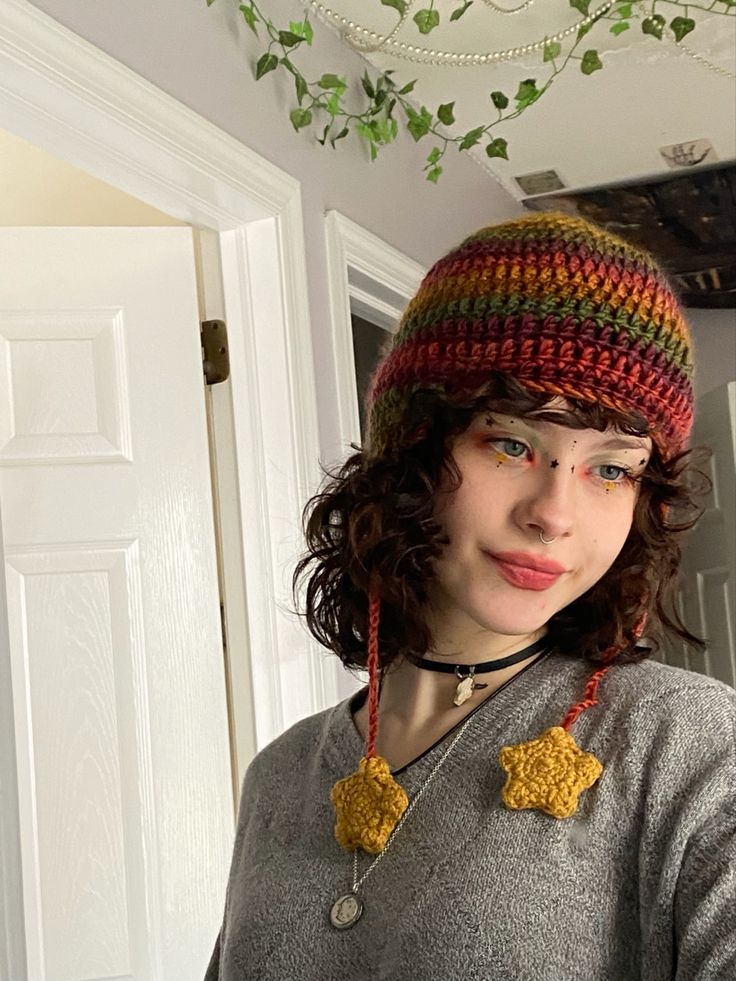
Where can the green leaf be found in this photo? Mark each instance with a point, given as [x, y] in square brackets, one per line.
[581, 5]
[527, 93]
[343, 133]
[619, 28]
[624, 10]
[472, 137]
[409, 87]
[497, 148]
[301, 87]
[434, 156]
[265, 64]
[682, 26]
[250, 16]
[323, 139]
[331, 82]
[288, 39]
[399, 5]
[434, 174]
[445, 113]
[426, 20]
[300, 118]
[654, 25]
[552, 50]
[210, 2]
[368, 86]
[419, 122]
[302, 29]
[499, 100]
[590, 63]
[333, 104]
[457, 14]
[582, 31]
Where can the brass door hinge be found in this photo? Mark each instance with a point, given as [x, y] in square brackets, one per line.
[215, 354]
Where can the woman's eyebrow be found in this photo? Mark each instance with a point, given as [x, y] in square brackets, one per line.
[621, 443]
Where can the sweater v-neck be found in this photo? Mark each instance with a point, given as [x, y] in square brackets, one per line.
[349, 746]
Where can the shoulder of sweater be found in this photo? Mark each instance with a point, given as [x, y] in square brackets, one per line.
[676, 706]
[298, 743]
[651, 680]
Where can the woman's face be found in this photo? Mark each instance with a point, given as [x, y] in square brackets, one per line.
[521, 476]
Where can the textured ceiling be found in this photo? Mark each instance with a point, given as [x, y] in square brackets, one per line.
[607, 127]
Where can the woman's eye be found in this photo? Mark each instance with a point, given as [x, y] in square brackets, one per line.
[619, 473]
[511, 447]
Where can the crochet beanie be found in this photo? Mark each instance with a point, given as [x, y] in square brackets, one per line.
[560, 304]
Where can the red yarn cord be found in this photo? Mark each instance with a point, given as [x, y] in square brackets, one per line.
[588, 702]
[374, 613]
[592, 686]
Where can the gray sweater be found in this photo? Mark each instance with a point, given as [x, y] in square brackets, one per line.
[638, 885]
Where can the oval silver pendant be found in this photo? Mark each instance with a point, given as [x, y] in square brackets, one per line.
[346, 911]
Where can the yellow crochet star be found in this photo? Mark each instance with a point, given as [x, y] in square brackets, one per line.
[368, 804]
[548, 773]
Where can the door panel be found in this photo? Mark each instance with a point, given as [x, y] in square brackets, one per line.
[708, 595]
[115, 646]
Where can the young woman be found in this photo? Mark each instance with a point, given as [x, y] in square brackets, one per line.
[535, 799]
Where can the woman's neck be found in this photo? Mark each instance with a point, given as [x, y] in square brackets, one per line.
[416, 697]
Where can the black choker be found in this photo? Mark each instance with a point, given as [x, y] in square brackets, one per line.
[467, 672]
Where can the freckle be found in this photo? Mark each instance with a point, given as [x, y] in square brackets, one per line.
[572, 468]
[554, 465]
[641, 461]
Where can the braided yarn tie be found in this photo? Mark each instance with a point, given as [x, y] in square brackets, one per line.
[550, 772]
[369, 802]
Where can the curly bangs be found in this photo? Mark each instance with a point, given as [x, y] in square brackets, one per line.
[372, 526]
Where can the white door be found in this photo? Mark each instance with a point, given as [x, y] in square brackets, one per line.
[121, 734]
[708, 596]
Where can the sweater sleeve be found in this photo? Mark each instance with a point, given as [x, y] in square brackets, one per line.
[688, 836]
[245, 809]
[705, 902]
[213, 969]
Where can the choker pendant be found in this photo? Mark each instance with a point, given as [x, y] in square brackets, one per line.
[467, 685]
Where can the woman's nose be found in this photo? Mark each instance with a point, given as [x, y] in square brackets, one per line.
[549, 503]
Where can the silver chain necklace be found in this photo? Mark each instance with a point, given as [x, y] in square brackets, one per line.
[347, 910]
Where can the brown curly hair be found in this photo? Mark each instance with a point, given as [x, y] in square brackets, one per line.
[371, 527]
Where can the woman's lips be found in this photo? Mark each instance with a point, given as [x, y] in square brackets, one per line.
[524, 577]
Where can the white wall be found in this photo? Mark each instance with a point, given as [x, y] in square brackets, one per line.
[204, 58]
[714, 337]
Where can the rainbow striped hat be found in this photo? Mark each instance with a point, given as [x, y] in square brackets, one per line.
[560, 304]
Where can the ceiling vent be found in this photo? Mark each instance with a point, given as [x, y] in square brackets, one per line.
[541, 182]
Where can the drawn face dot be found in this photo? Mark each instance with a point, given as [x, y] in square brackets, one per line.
[554, 464]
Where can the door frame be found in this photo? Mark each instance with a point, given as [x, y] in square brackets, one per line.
[373, 279]
[61, 93]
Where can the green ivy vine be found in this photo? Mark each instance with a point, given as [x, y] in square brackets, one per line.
[385, 101]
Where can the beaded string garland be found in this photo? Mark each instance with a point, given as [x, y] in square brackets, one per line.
[567, 309]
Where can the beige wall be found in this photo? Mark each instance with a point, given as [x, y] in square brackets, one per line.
[38, 189]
